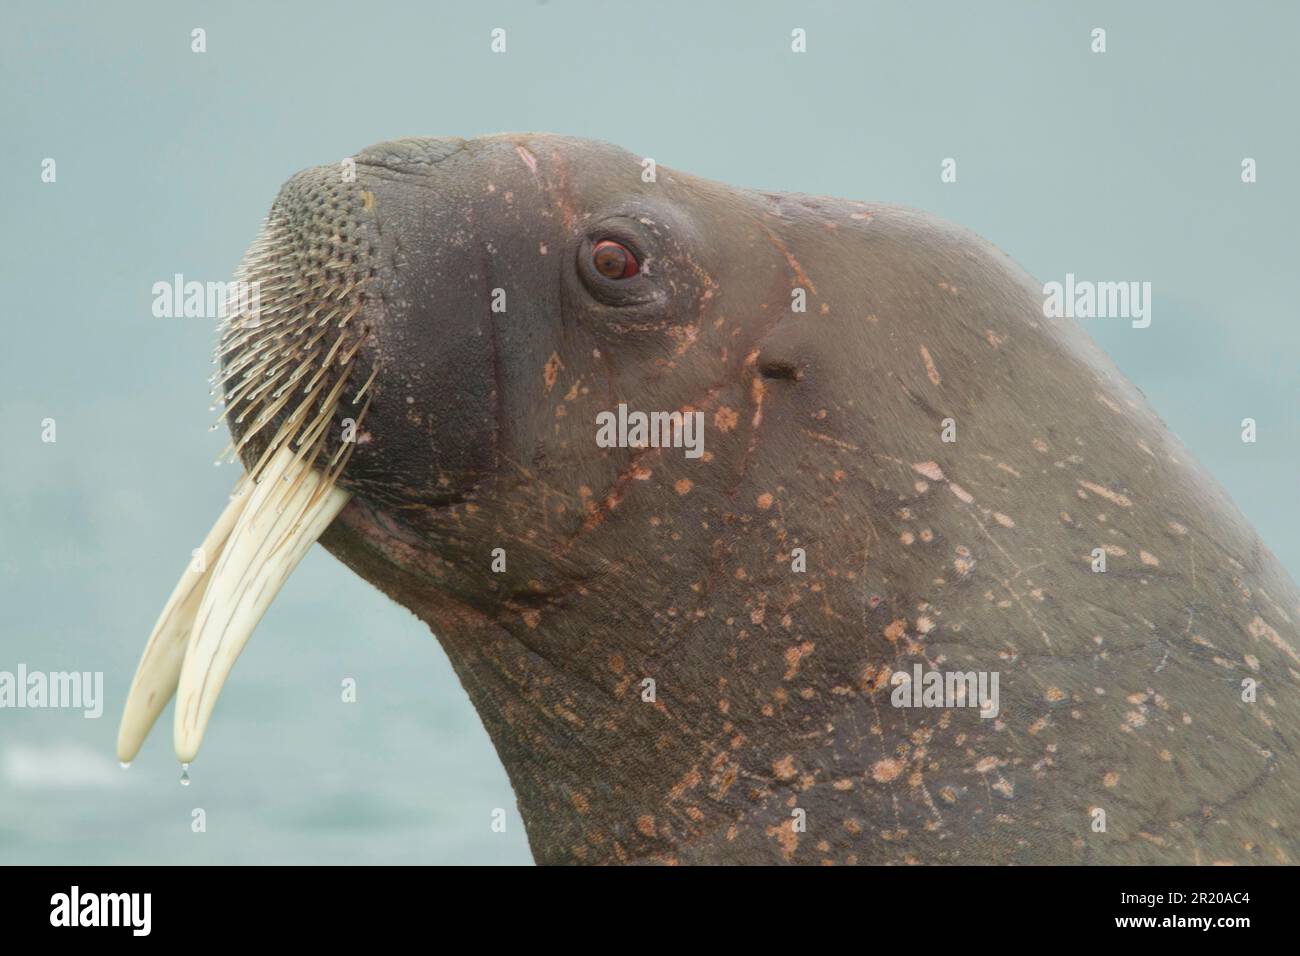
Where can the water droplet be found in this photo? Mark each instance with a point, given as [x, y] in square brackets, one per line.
[126, 765]
[185, 775]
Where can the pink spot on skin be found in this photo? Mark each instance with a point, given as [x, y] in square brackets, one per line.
[1261, 629]
[883, 771]
[1149, 559]
[1113, 496]
[929, 469]
[1108, 403]
[1003, 520]
[961, 493]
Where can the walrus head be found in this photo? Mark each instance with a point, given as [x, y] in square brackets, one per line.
[440, 323]
[677, 654]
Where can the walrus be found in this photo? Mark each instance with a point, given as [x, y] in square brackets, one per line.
[904, 469]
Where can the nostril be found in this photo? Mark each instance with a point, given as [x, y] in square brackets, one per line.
[780, 368]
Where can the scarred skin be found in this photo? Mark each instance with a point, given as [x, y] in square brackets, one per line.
[1119, 691]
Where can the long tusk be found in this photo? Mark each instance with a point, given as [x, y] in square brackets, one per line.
[160, 666]
[289, 509]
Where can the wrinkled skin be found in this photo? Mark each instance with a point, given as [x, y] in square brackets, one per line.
[1120, 691]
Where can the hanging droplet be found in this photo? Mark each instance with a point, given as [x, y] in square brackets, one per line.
[185, 775]
[126, 765]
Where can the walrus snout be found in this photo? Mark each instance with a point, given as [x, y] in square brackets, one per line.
[299, 365]
[290, 365]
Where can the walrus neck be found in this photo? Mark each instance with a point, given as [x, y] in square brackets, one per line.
[624, 746]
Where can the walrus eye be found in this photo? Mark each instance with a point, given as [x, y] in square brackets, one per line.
[614, 260]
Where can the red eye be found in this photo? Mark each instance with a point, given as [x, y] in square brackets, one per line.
[614, 260]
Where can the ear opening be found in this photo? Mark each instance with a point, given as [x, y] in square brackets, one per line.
[779, 369]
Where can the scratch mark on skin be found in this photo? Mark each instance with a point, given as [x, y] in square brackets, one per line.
[1187, 633]
[1281, 612]
[757, 392]
[800, 276]
[557, 186]
[1259, 628]
[829, 440]
[893, 798]
[614, 497]
[930, 370]
[929, 801]
[529, 159]
[1024, 607]
[1019, 571]
[547, 491]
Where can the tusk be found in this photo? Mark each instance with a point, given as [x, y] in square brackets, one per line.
[289, 508]
[160, 665]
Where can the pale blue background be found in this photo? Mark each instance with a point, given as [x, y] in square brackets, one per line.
[1119, 166]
